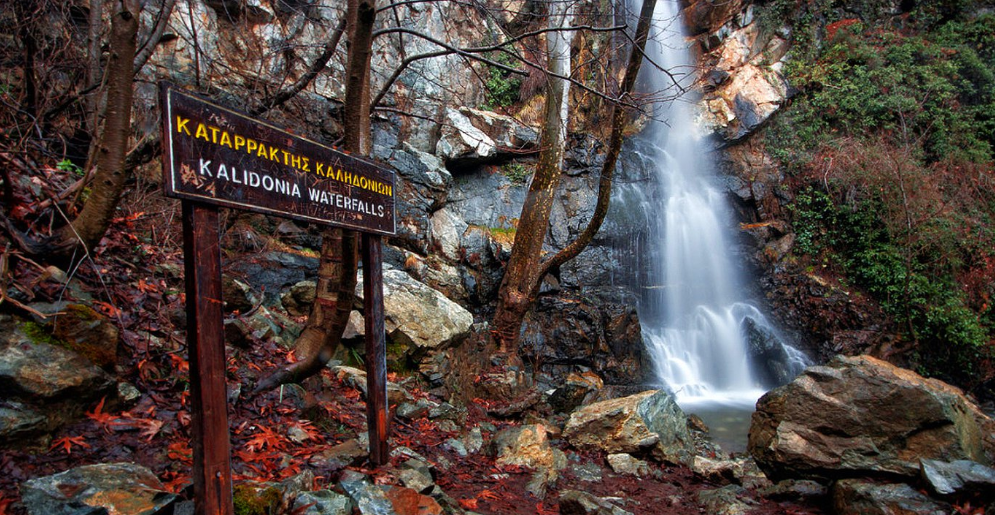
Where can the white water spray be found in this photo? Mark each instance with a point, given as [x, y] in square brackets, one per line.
[695, 309]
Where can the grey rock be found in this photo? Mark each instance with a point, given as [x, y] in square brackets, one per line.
[369, 499]
[648, 421]
[961, 477]
[412, 410]
[794, 490]
[589, 472]
[102, 488]
[574, 502]
[474, 440]
[18, 421]
[461, 141]
[40, 370]
[456, 446]
[418, 316]
[724, 501]
[626, 464]
[865, 497]
[417, 479]
[323, 502]
[298, 299]
[274, 271]
[863, 416]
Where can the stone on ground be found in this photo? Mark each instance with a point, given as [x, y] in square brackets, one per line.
[646, 422]
[863, 417]
[102, 488]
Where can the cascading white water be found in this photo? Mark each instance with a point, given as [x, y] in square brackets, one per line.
[695, 308]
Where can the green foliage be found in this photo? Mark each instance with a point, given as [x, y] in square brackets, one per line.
[941, 91]
[502, 86]
[951, 336]
[38, 333]
[68, 166]
[517, 173]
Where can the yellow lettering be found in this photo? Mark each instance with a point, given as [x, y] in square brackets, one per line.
[239, 141]
[225, 140]
[307, 167]
[262, 150]
[319, 168]
[295, 161]
[214, 135]
[338, 175]
[201, 132]
[181, 125]
[364, 183]
[251, 145]
[285, 160]
[273, 151]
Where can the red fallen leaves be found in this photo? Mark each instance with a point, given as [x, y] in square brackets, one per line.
[266, 438]
[67, 443]
[147, 427]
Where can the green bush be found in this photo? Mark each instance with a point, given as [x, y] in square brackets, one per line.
[502, 86]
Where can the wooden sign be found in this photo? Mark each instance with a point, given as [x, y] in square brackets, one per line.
[219, 156]
[214, 156]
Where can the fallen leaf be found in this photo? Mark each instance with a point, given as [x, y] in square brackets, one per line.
[67, 442]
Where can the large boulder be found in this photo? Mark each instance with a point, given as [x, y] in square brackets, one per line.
[418, 317]
[648, 422]
[861, 416]
[35, 366]
[101, 488]
[44, 384]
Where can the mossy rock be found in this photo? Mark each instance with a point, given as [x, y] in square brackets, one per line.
[88, 333]
[252, 500]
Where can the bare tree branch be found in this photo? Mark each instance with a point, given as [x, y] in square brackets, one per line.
[148, 47]
[316, 67]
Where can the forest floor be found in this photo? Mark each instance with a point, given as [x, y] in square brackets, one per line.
[280, 433]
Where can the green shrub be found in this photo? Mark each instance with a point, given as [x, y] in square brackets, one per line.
[502, 86]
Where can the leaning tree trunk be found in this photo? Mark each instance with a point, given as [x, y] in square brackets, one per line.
[620, 114]
[112, 145]
[336, 290]
[522, 274]
[513, 302]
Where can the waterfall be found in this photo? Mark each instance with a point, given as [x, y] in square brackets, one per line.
[694, 308]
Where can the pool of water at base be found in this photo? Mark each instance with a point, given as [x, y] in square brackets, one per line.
[728, 421]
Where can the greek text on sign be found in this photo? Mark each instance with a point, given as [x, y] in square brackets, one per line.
[219, 156]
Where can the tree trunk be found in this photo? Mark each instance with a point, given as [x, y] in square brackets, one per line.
[522, 274]
[112, 145]
[336, 289]
[618, 121]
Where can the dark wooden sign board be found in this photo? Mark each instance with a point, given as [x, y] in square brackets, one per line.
[215, 156]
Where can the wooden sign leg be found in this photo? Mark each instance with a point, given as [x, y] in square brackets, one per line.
[211, 443]
[376, 348]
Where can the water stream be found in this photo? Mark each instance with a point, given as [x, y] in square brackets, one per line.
[694, 309]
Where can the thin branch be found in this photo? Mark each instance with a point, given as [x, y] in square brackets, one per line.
[614, 148]
[316, 67]
[148, 47]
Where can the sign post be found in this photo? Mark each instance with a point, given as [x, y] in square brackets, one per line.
[215, 156]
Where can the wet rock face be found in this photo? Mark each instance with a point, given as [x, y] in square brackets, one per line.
[563, 332]
[862, 416]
